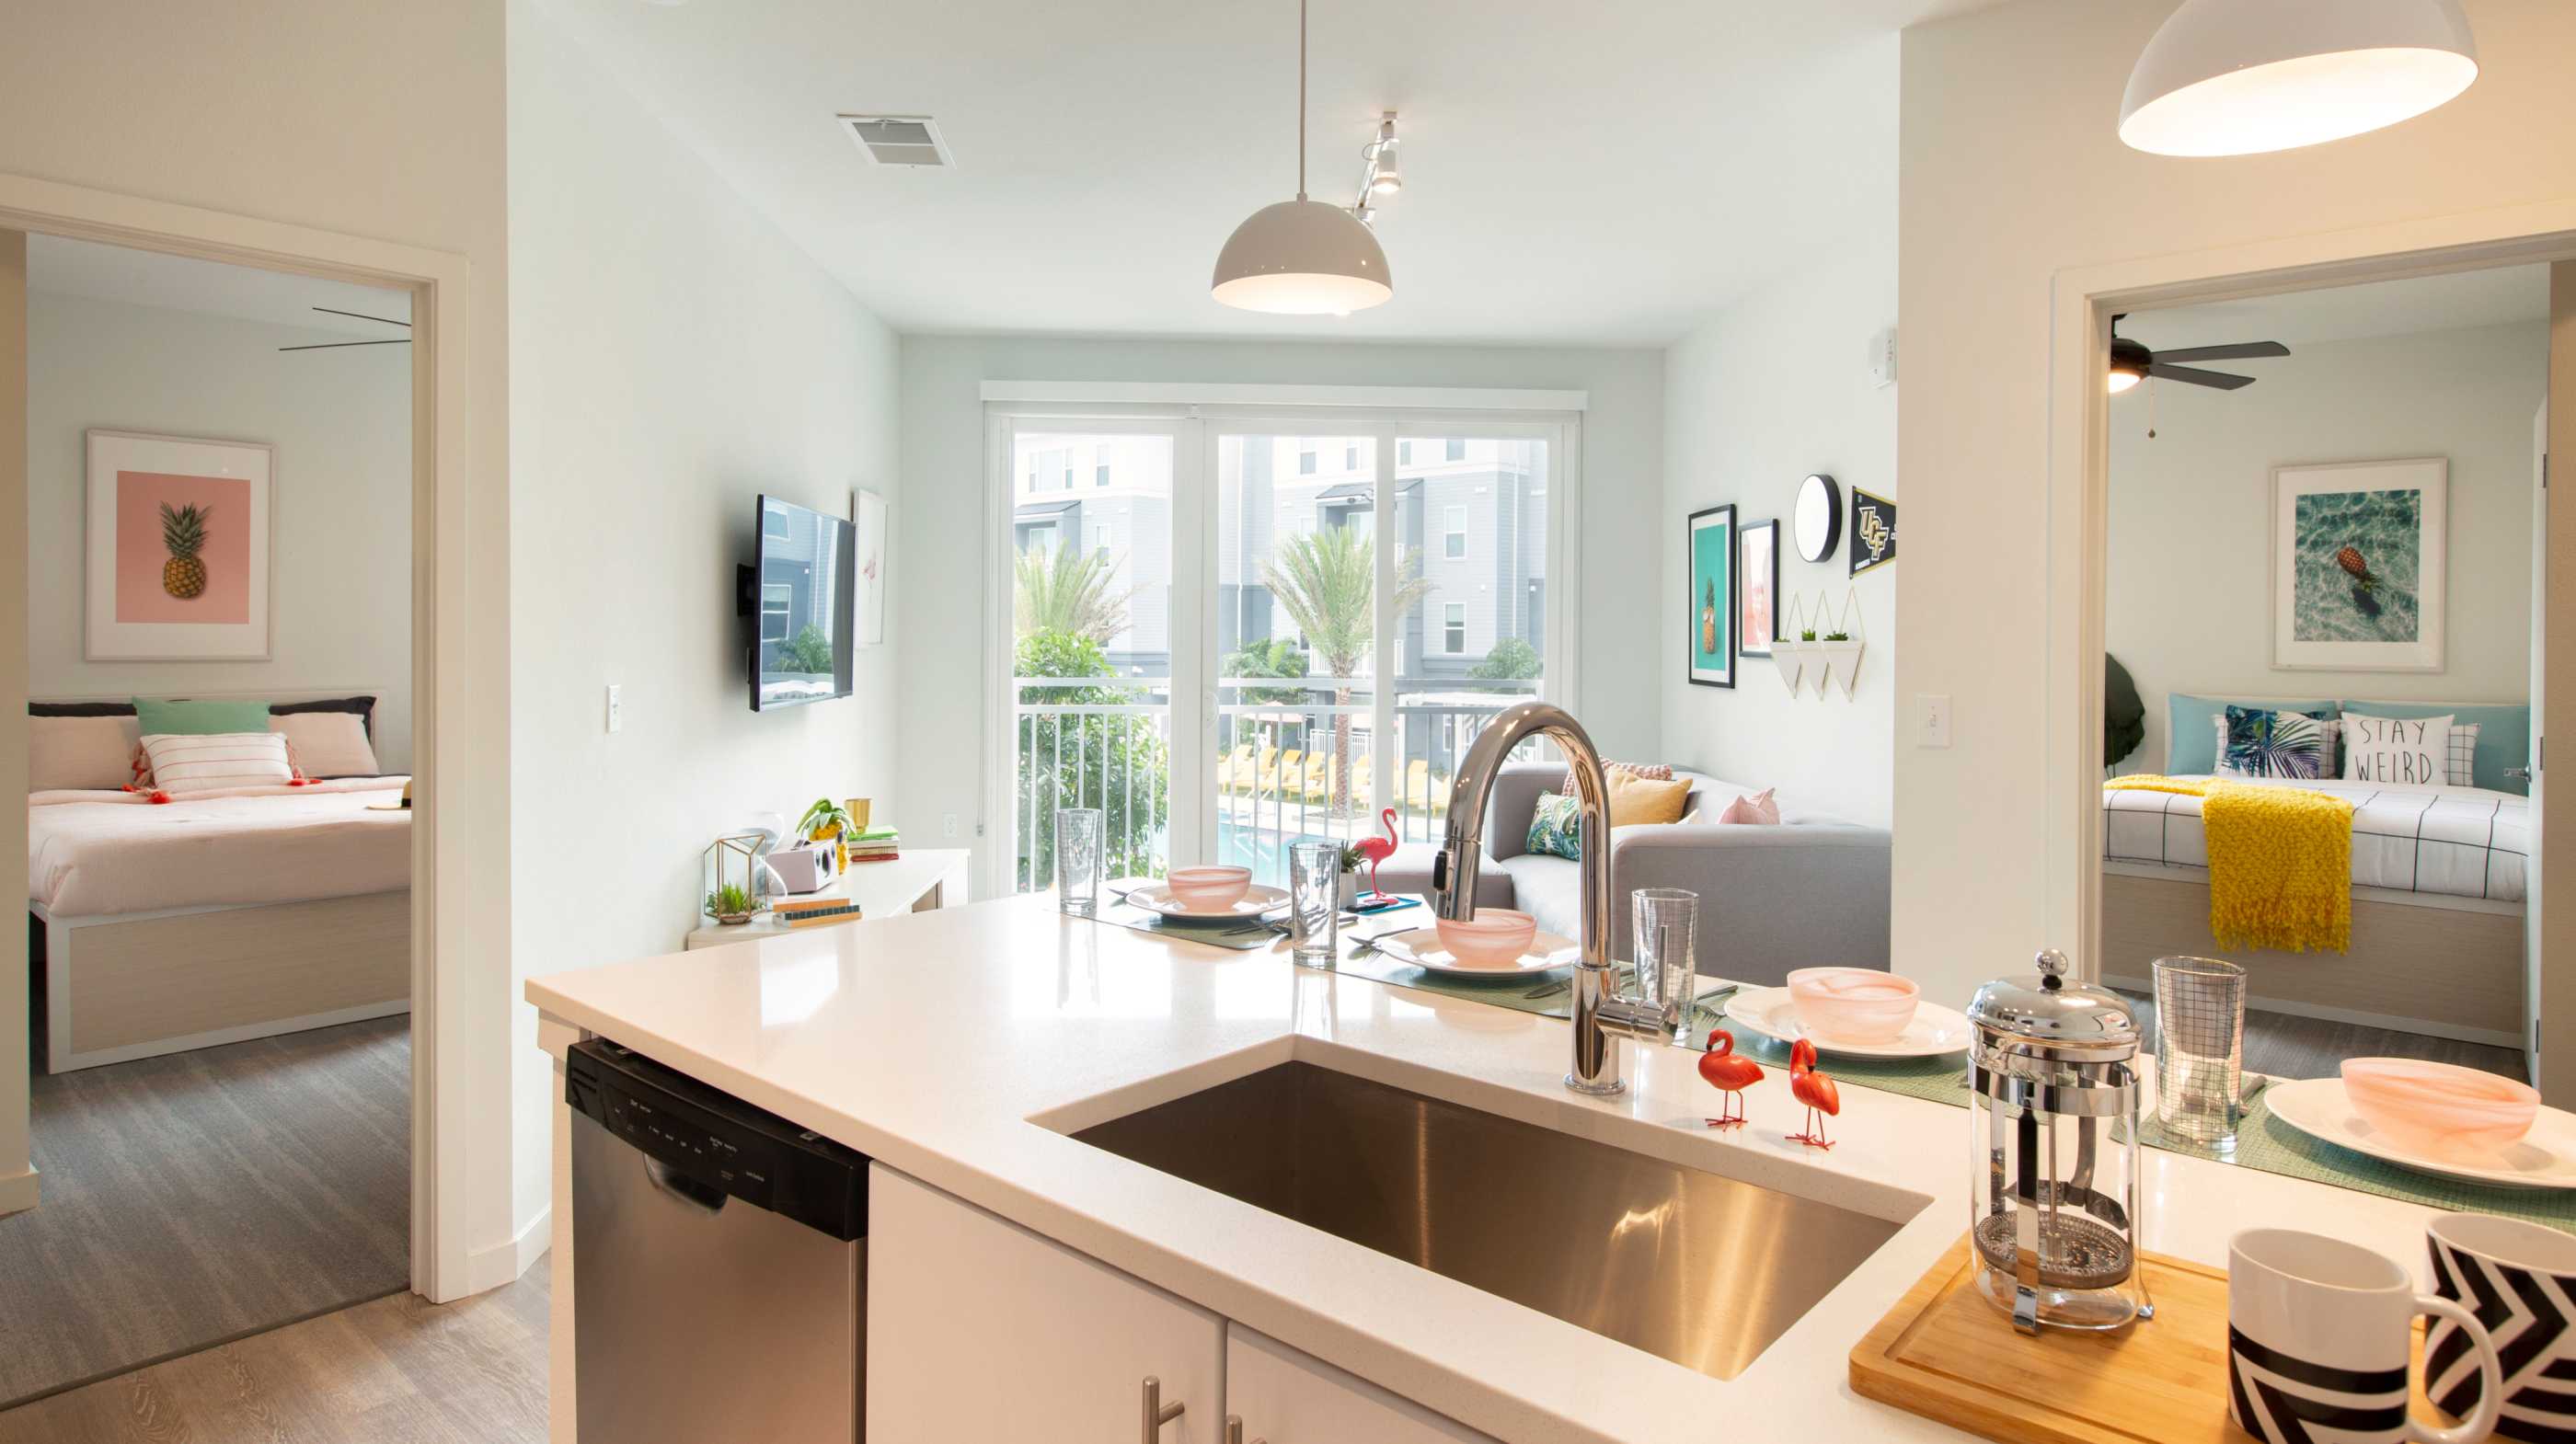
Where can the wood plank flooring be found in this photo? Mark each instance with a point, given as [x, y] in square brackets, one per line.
[399, 1370]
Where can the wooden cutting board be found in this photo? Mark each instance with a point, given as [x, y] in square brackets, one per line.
[1945, 1353]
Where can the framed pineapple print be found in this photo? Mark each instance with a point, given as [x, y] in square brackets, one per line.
[1712, 600]
[2360, 554]
[178, 549]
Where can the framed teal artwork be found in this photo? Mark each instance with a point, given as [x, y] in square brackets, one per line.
[1713, 584]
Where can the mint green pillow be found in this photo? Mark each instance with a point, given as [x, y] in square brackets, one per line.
[197, 719]
[1556, 826]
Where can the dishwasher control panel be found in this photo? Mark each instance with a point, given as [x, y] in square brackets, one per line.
[718, 1141]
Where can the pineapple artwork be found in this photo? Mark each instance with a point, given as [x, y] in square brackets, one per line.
[183, 531]
[176, 545]
[2360, 564]
[1712, 597]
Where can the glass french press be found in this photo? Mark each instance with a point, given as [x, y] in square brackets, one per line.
[2055, 1197]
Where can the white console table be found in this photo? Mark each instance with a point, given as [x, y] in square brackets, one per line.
[919, 880]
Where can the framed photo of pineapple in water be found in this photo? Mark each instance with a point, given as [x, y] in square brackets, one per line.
[2359, 565]
[1713, 599]
[179, 550]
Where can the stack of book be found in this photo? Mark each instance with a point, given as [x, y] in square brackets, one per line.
[874, 845]
[814, 912]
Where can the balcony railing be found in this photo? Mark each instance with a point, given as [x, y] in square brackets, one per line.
[1278, 772]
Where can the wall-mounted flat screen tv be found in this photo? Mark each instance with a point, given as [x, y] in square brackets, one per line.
[802, 586]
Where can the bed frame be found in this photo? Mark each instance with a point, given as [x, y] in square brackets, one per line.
[2419, 962]
[138, 985]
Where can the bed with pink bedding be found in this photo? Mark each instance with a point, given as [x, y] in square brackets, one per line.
[92, 854]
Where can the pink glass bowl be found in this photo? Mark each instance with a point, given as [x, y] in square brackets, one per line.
[1208, 888]
[1853, 1005]
[1493, 938]
[2437, 1107]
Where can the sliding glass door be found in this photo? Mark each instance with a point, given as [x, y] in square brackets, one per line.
[1233, 632]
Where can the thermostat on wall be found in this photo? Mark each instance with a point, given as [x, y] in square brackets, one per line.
[1882, 358]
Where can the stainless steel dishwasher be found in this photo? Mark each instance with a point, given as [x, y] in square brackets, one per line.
[719, 1263]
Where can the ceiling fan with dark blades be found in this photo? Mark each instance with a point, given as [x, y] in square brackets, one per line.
[2132, 362]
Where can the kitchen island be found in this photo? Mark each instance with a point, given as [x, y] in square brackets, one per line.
[960, 1048]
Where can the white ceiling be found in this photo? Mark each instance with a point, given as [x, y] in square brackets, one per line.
[1607, 172]
[2463, 299]
[148, 278]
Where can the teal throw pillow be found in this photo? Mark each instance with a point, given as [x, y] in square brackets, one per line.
[198, 719]
[1556, 826]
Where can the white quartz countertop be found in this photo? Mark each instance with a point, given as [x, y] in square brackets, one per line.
[929, 1041]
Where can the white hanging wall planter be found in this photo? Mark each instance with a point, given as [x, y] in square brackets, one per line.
[1827, 661]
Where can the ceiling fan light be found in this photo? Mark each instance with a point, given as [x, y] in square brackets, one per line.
[2245, 77]
[1302, 258]
[2123, 380]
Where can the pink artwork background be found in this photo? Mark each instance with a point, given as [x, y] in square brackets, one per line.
[139, 552]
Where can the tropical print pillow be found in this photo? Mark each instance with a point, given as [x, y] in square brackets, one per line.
[2263, 743]
[1556, 826]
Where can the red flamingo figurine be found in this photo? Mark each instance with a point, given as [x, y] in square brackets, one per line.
[1730, 1073]
[1377, 850]
[1814, 1089]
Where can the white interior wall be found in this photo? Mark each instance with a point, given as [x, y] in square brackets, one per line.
[2190, 577]
[366, 121]
[2011, 171]
[938, 557]
[672, 356]
[341, 425]
[1774, 388]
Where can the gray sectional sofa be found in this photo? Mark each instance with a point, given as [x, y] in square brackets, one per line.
[1809, 892]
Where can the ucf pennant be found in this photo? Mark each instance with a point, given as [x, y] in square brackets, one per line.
[1873, 531]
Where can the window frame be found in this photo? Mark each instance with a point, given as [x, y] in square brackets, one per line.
[1453, 629]
[1453, 531]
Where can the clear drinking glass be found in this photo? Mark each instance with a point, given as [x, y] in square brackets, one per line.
[1662, 926]
[2200, 1049]
[1314, 901]
[1079, 835]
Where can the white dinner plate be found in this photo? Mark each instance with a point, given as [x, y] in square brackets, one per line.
[1257, 899]
[2545, 1158]
[1770, 1012]
[1422, 948]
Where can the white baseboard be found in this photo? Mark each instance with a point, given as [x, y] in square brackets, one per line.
[18, 1191]
[504, 1262]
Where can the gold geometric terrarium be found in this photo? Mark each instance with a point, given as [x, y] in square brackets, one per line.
[735, 881]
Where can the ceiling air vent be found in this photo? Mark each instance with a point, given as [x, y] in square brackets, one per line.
[898, 139]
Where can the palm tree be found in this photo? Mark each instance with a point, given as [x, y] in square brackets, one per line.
[1066, 589]
[1327, 581]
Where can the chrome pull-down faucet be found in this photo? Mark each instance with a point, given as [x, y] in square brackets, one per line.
[1600, 1018]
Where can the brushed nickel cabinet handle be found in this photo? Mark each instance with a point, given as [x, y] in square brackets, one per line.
[1158, 1413]
[1234, 1430]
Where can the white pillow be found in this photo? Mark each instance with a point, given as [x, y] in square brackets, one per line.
[90, 754]
[2397, 751]
[211, 761]
[327, 744]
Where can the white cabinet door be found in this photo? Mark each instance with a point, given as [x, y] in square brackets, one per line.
[1286, 1397]
[979, 1329]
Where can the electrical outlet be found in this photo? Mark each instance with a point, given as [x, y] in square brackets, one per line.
[948, 824]
[616, 708]
[1931, 719]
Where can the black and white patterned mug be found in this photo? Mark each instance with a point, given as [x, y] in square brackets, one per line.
[2318, 1332]
[2519, 1279]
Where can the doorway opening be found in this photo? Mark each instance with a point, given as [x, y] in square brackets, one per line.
[220, 723]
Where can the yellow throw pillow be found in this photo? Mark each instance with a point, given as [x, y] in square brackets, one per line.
[1636, 800]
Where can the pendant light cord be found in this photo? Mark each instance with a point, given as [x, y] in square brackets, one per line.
[1301, 99]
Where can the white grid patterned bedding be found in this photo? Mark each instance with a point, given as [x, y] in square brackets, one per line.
[2456, 841]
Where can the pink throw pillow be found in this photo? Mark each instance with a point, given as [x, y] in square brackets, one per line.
[1758, 808]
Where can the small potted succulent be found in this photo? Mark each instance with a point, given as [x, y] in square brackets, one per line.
[828, 821]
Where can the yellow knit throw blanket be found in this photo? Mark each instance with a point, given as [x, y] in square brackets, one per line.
[2280, 862]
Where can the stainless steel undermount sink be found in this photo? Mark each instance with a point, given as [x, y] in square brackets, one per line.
[1701, 1269]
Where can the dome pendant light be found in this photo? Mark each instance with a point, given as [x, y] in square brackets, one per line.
[2241, 77]
[1302, 257]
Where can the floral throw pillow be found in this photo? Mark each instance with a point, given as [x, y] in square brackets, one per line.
[2274, 744]
[1556, 826]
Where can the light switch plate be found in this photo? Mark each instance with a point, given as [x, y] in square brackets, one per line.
[1931, 719]
[616, 708]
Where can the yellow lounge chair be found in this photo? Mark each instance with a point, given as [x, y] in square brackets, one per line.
[1234, 770]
